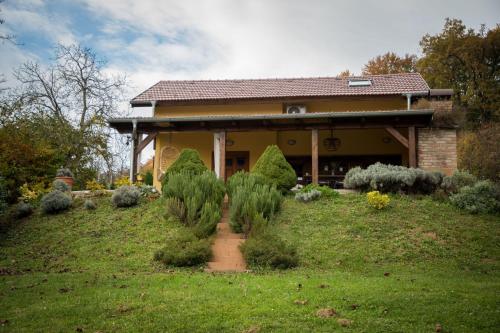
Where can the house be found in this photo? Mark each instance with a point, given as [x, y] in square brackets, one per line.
[324, 125]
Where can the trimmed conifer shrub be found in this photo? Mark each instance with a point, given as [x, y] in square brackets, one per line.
[273, 166]
[23, 209]
[189, 161]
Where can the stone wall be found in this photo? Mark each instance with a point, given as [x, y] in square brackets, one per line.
[437, 149]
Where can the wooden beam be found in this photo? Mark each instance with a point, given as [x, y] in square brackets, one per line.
[398, 136]
[412, 147]
[145, 142]
[222, 155]
[314, 155]
[135, 156]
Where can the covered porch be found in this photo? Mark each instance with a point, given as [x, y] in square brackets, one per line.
[321, 147]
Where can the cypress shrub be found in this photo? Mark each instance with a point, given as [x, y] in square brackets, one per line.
[23, 209]
[273, 166]
[189, 161]
[148, 178]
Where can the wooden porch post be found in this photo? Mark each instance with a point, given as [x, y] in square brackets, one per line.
[412, 147]
[314, 146]
[133, 153]
[222, 156]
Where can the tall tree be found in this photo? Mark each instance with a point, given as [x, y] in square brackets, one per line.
[345, 73]
[469, 62]
[76, 93]
[390, 63]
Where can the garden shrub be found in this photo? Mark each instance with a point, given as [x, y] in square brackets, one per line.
[459, 179]
[241, 178]
[210, 216]
[189, 161]
[393, 178]
[482, 197]
[89, 205]
[60, 185]
[148, 178]
[122, 181]
[126, 196]
[251, 198]
[23, 209]
[266, 249]
[273, 166]
[194, 191]
[64, 172]
[55, 202]
[93, 185]
[176, 208]
[148, 191]
[326, 191]
[183, 248]
[377, 200]
[307, 196]
[3, 196]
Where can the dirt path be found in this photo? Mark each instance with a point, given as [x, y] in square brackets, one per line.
[226, 253]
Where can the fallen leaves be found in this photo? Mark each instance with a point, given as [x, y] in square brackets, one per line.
[326, 313]
[252, 329]
[300, 302]
[344, 322]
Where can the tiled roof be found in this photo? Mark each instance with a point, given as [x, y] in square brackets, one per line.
[206, 90]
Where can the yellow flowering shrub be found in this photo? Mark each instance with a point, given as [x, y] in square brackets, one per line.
[94, 185]
[30, 193]
[123, 181]
[377, 200]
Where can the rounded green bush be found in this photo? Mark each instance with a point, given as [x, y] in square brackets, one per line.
[126, 196]
[482, 197]
[273, 165]
[55, 202]
[60, 185]
[184, 249]
[23, 209]
[89, 205]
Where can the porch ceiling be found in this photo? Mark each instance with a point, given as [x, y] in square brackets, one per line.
[277, 122]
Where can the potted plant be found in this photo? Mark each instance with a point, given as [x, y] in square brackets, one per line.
[65, 175]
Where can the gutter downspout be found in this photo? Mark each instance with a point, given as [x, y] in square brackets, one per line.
[408, 101]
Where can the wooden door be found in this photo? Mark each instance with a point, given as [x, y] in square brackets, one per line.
[236, 161]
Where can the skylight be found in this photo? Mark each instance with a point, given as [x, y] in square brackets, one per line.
[360, 83]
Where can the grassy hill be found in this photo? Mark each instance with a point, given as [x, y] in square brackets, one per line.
[405, 269]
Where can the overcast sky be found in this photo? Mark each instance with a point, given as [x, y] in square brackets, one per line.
[152, 40]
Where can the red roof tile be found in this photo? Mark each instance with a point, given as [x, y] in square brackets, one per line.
[206, 90]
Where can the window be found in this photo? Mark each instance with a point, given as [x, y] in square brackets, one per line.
[360, 83]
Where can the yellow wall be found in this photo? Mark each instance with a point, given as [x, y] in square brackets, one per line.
[332, 105]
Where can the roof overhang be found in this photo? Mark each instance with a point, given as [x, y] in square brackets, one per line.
[276, 122]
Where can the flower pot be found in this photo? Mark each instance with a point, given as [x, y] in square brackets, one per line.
[67, 180]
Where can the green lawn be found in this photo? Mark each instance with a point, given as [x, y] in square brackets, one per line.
[405, 269]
